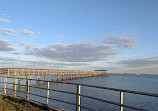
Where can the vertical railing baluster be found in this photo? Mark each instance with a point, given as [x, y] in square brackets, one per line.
[14, 71]
[22, 71]
[78, 98]
[5, 85]
[28, 88]
[14, 87]
[121, 101]
[8, 72]
[47, 93]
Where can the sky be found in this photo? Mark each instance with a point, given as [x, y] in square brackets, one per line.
[117, 35]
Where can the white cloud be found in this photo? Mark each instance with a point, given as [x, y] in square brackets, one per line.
[125, 38]
[60, 36]
[121, 42]
[18, 53]
[29, 33]
[27, 46]
[12, 62]
[4, 20]
[8, 31]
[2, 58]
[148, 65]
[81, 52]
[5, 45]
[24, 44]
[140, 62]
[12, 32]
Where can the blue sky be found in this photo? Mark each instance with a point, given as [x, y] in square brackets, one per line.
[118, 35]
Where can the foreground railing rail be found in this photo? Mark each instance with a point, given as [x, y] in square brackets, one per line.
[78, 93]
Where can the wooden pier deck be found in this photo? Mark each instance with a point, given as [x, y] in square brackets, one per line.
[55, 73]
[19, 74]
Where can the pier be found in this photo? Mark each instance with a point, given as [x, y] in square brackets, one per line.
[19, 74]
[10, 87]
[55, 73]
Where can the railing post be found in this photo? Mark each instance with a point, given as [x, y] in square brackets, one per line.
[28, 88]
[38, 72]
[8, 71]
[14, 87]
[5, 85]
[78, 98]
[14, 71]
[29, 71]
[22, 71]
[121, 101]
[47, 93]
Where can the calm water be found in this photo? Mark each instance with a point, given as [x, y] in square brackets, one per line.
[143, 83]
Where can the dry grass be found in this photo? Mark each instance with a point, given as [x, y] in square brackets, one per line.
[13, 104]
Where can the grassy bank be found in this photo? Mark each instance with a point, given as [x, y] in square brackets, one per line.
[13, 104]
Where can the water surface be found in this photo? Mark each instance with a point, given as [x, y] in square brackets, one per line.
[142, 83]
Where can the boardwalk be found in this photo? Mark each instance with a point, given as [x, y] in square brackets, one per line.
[39, 73]
[49, 92]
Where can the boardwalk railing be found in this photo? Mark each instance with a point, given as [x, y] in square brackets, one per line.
[78, 93]
[36, 72]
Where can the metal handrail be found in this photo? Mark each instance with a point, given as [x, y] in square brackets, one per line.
[78, 95]
[110, 102]
[100, 87]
